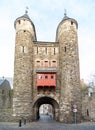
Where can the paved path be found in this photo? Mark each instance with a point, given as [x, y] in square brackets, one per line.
[46, 123]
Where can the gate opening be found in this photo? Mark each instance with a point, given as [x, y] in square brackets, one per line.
[45, 108]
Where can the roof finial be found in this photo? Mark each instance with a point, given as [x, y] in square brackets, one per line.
[65, 12]
[26, 11]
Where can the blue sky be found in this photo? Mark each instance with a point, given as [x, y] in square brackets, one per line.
[46, 15]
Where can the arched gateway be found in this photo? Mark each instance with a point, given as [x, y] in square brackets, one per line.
[45, 100]
[46, 72]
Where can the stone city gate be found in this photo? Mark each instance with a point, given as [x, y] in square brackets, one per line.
[46, 71]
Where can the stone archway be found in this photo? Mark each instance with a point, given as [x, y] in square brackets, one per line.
[45, 100]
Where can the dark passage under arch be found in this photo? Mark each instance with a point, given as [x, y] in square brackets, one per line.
[45, 100]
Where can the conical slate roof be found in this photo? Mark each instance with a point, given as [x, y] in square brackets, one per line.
[64, 19]
[67, 18]
[25, 16]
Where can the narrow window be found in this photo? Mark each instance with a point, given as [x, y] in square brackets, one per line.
[87, 112]
[23, 49]
[54, 51]
[37, 50]
[19, 21]
[46, 50]
[65, 48]
[71, 22]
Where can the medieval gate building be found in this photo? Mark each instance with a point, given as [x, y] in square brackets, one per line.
[46, 72]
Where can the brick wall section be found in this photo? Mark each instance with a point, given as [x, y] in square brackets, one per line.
[42, 56]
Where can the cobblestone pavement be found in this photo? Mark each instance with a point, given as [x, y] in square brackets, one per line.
[47, 124]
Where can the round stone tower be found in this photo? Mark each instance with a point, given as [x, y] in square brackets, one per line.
[70, 91]
[23, 67]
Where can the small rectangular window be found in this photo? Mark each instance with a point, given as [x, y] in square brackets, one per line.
[46, 63]
[40, 76]
[71, 22]
[54, 64]
[37, 63]
[46, 77]
[52, 77]
[19, 21]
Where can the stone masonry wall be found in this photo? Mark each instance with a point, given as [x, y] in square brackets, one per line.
[6, 102]
[69, 71]
[88, 107]
[23, 75]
